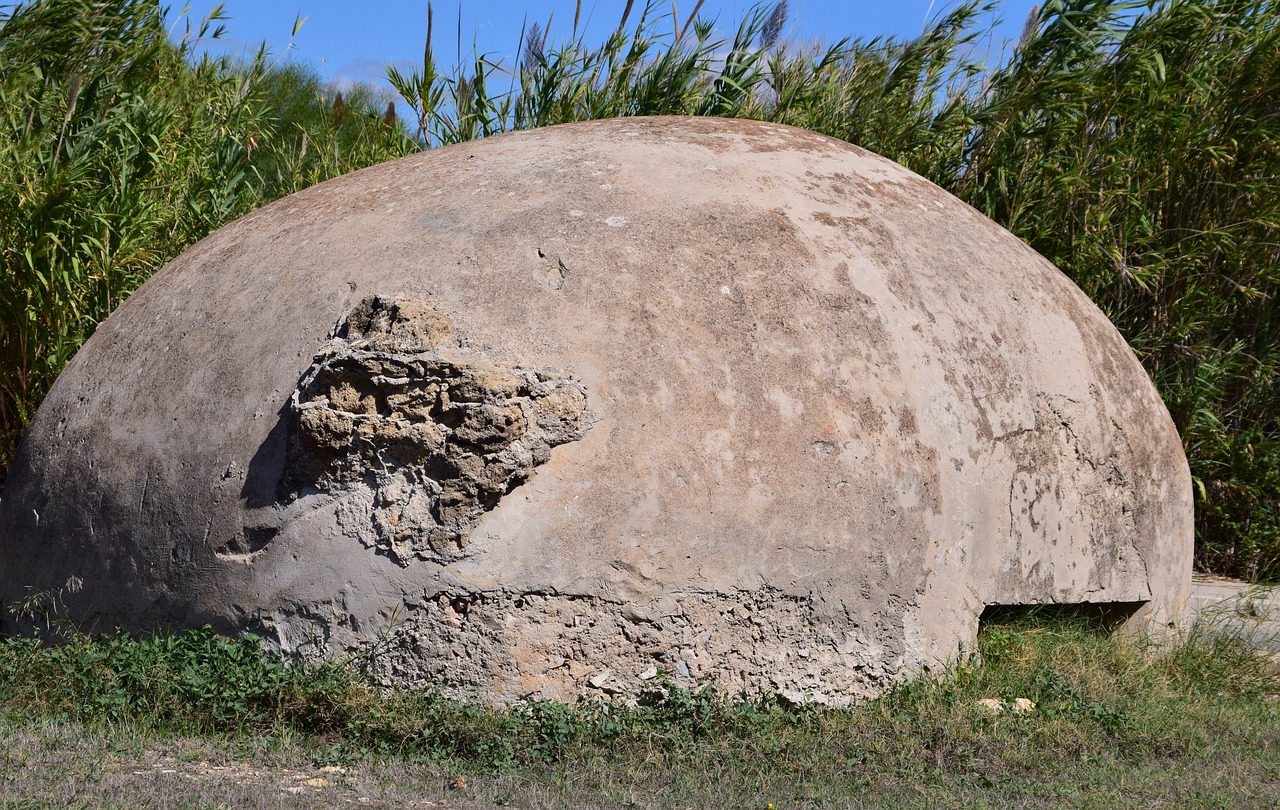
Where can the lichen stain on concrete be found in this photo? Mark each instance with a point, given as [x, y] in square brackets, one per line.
[418, 448]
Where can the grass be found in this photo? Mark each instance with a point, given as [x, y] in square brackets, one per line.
[99, 722]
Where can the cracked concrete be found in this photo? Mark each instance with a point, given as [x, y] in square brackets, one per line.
[553, 646]
[569, 411]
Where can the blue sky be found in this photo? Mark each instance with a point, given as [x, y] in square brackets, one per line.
[344, 43]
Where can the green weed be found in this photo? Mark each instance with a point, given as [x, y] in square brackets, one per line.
[1106, 707]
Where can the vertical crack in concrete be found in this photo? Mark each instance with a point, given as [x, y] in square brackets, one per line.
[1099, 520]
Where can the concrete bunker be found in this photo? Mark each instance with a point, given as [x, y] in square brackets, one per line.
[553, 413]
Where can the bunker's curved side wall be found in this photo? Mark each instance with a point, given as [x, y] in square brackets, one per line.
[718, 398]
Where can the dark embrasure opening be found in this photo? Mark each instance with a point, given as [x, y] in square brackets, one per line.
[1103, 616]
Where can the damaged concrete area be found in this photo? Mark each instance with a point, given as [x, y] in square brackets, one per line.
[571, 411]
[553, 646]
[418, 448]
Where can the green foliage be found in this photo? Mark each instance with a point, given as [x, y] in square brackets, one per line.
[93, 196]
[1100, 700]
[318, 132]
[197, 681]
[119, 149]
[1133, 144]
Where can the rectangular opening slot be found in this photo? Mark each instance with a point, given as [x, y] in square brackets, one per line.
[1100, 616]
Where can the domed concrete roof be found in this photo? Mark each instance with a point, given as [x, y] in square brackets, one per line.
[555, 411]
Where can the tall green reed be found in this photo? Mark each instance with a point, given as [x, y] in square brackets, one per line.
[120, 147]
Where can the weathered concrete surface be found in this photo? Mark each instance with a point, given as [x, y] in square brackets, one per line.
[554, 411]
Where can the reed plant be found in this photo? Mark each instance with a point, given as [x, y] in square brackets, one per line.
[120, 146]
[1132, 143]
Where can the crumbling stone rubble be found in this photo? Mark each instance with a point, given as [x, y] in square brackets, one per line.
[419, 447]
[566, 647]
